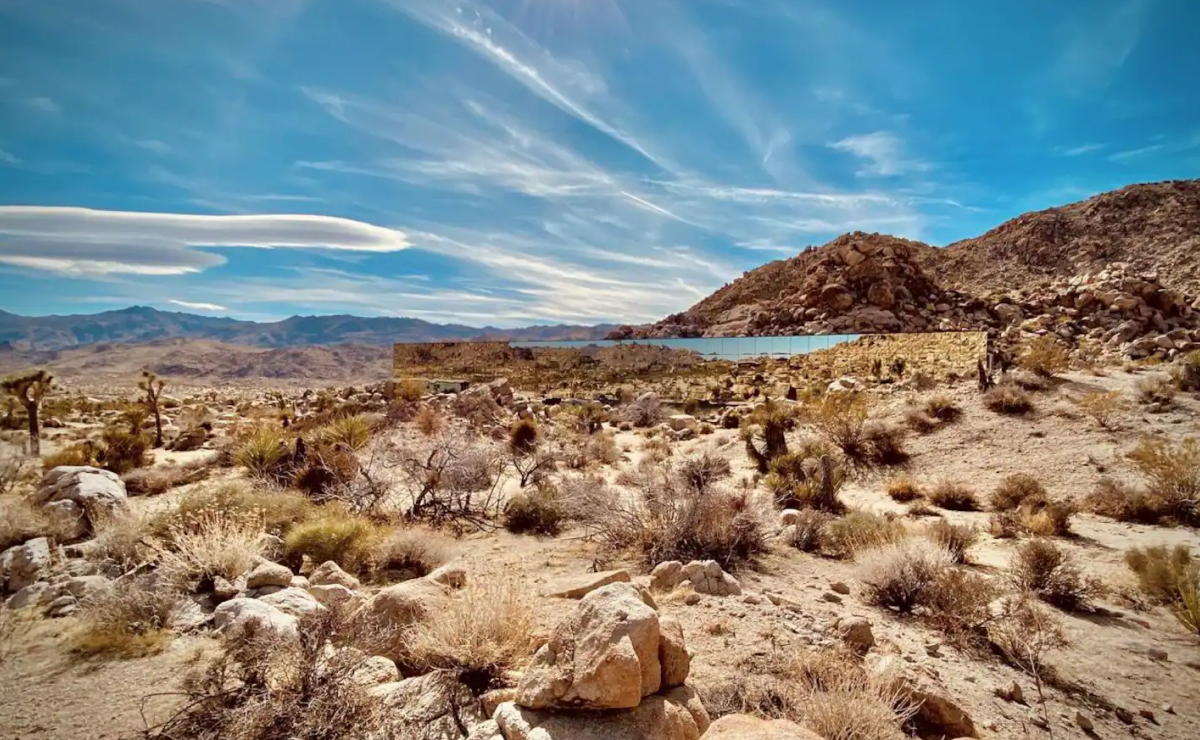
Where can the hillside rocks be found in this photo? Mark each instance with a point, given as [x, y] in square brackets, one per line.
[704, 576]
[23, 565]
[89, 495]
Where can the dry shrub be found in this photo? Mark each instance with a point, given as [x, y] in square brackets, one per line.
[278, 510]
[122, 451]
[1005, 525]
[409, 553]
[1023, 633]
[839, 418]
[1124, 502]
[1028, 381]
[1045, 570]
[656, 449]
[539, 510]
[704, 470]
[1045, 356]
[1051, 520]
[523, 437]
[126, 621]
[1170, 577]
[955, 538]
[211, 542]
[1007, 398]
[797, 482]
[1172, 473]
[84, 453]
[335, 534]
[158, 480]
[809, 532]
[21, 521]
[1015, 490]
[264, 686]
[126, 542]
[959, 605]
[884, 444]
[485, 631]
[828, 691]
[1102, 407]
[586, 451]
[668, 519]
[860, 531]
[943, 409]
[644, 412]
[14, 469]
[954, 496]
[451, 478]
[919, 509]
[904, 489]
[901, 576]
[410, 390]
[919, 421]
[429, 422]
[1155, 390]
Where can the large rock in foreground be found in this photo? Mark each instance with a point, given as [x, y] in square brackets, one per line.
[676, 715]
[100, 493]
[743, 727]
[605, 656]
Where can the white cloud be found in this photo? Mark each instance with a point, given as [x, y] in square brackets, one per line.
[86, 241]
[1128, 154]
[198, 306]
[883, 153]
[9, 158]
[45, 105]
[1082, 149]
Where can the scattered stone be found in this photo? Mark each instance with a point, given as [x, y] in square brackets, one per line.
[416, 707]
[267, 574]
[100, 493]
[25, 564]
[752, 599]
[676, 715]
[34, 595]
[933, 649]
[856, 633]
[578, 586]
[1158, 654]
[666, 576]
[1012, 693]
[298, 582]
[672, 654]
[840, 588]
[407, 602]
[692, 599]
[330, 573]
[1084, 722]
[223, 590]
[82, 587]
[831, 597]
[789, 517]
[63, 606]
[1124, 715]
[376, 670]
[452, 575]
[331, 594]
[1167, 708]
[707, 577]
[1148, 715]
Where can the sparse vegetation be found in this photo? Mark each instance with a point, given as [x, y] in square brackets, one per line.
[1045, 356]
[209, 543]
[127, 622]
[350, 432]
[809, 532]
[949, 494]
[956, 539]
[1170, 577]
[797, 482]
[152, 386]
[901, 576]
[538, 510]
[1017, 489]
[1102, 407]
[1045, 570]
[859, 531]
[1155, 391]
[410, 552]
[335, 535]
[263, 454]
[30, 390]
[1007, 398]
[904, 489]
[1172, 472]
[763, 432]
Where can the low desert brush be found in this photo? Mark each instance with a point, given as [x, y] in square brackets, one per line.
[1155, 390]
[129, 621]
[1170, 577]
[278, 510]
[904, 489]
[1015, 490]
[1044, 569]
[703, 470]
[1172, 472]
[1007, 398]
[955, 538]
[919, 421]
[336, 535]
[899, 577]
[1125, 502]
[429, 422]
[21, 521]
[1045, 356]
[536, 510]
[943, 408]
[796, 482]
[158, 480]
[952, 495]
[351, 432]
[1024, 634]
[959, 605]
[263, 454]
[859, 531]
[210, 543]
[484, 632]
[1102, 407]
[411, 552]
[809, 532]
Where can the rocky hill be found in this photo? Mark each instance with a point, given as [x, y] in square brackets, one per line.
[142, 324]
[1118, 272]
[1153, 227]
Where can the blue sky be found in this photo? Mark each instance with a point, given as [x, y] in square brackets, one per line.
[509, 162]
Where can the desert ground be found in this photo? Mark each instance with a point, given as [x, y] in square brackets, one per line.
[866, 558]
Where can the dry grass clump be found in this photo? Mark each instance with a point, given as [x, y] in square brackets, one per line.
[212, 543]
[952, 495]
[1024, 633]
[1170, 577]
[933, 414]
[1102, 407]
[485, 631]
[955, 538]
[1015, 490]
[828, 691]
[336, 535]
[1008, 399]
[537, 510]
[409, 553]
[904, 489]
[278, 510]
[1045, 570]
[14, 469]
[809, 532]
[266, 687]
[899, 577]
[1155, 390]
[704, 470]
[841, 419]
[126, 542]
[410, 390]
[127, 621]
[644, 412]
[586, 451]
[859, 531]
[1045, 356]
[21, 521]
[919, 421]
[884, 444]
[959, 605]
[429, 422]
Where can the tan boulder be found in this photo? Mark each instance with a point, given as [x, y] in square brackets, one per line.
[744, 727]
[578, 586]
[677, 715]
[605, 656]
[672, 653]
[406, 602]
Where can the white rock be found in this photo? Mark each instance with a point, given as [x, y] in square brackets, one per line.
[234, 614]
[332, 594]
[101, 493]
[23, 565]
[330, 573]
[267, 574]
[294, 601]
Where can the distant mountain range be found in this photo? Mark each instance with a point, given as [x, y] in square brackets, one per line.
[139, 324]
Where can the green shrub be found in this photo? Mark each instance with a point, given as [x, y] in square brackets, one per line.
[351, 432]
[264, 454]
[122, 451]
[333, 535]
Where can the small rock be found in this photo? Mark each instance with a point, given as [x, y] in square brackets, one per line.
[831, 597]
[453, 575]
[267, 574]
[1084, 722]
[692, 599]
[331, 594]
[1148, 716]
[752, 599]
[63, 606]
[1124, 715]
[1039, 721]
[298, 582]
[1167, 708]
[330, 573]
[840, 588]
[376, 670]
[1158, 654]
[933, 649]
[1011, 693]
[856, 632]
[666, 576]
[223, 590]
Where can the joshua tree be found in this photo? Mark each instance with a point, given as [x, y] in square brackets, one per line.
[153, 388]
[30, 389]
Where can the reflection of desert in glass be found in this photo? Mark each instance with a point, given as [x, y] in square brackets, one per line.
[600, 365]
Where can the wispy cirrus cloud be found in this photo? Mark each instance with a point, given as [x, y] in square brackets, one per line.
[1080, 150]
[882, 154]
[197, 305]
[1098, 45]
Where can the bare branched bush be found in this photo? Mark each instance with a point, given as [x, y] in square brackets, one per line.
[485, 631]
[1102, 407]
[586, 451]
[429, 422]
[1044, 569]
[900, 577]
[1045, 356]
[955, 538]
[126, 621]
[1007, 398]
[1024, 634]
[953, 495]
[451, 477]
[13, 470]
[264, 686]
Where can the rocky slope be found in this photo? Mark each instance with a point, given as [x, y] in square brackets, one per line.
[143, 324]
[1155, 227]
